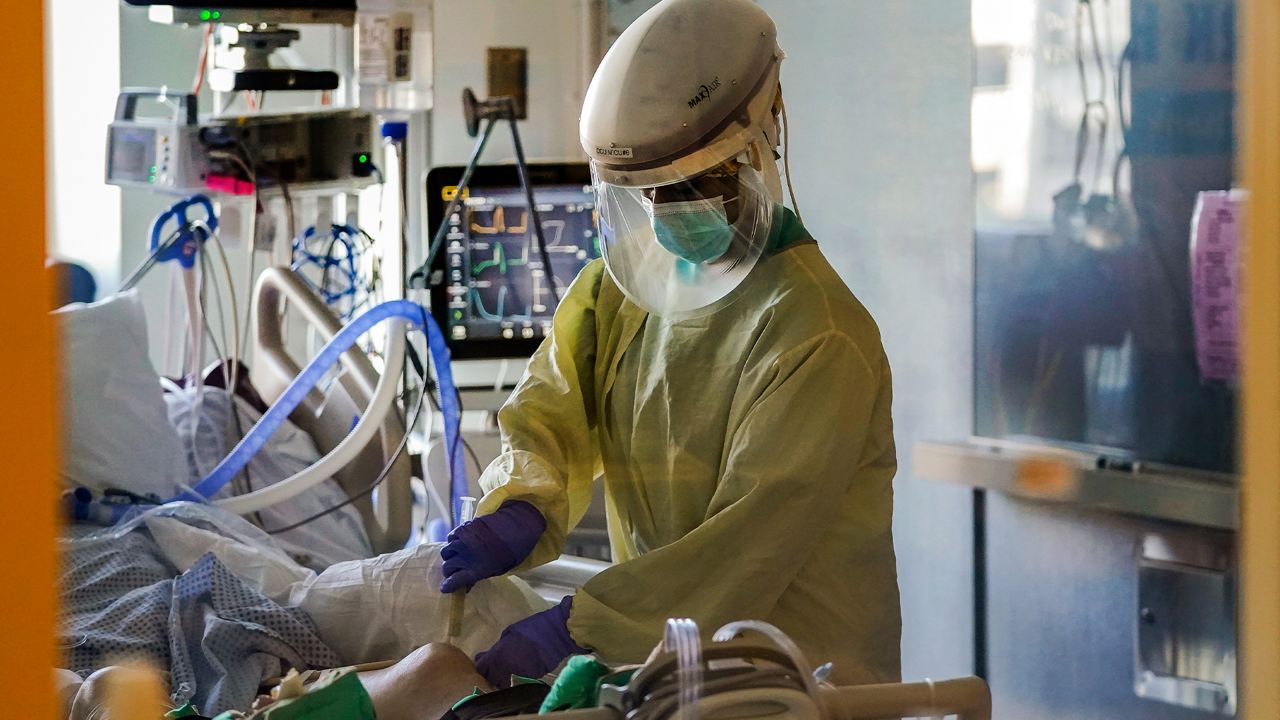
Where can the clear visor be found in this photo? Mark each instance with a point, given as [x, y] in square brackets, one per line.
[679, 250]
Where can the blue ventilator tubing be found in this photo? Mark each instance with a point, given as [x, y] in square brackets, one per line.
[306, 380]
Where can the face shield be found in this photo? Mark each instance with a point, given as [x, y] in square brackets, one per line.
[680, 249]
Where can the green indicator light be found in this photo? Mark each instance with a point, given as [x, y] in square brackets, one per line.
[153, 169]
[457, 314]
[364, 158]
[217, 14]
[205, 15]
[151, 179]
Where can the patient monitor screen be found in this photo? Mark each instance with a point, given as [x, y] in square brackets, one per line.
[496, 286]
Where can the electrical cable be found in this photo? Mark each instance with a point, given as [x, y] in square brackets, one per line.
[474, 458]
[403, 162]
[230, 365]
[237, 161]
[206, 273]
[535, 220]
[239, 433]
[209, 276]
[423, 271]
[378, 480]
[195, 322]
[145, 266]
[786, 157]
[251, 157]
[247, 164]
[435, 404]
[382, 476]
[329, 262]
[236, 348]
[1126, 60]
[1085, 9]
[291, 222]
[1101, 102]
[202, 68]
[429, 389]
[233, 421]
[252, 257]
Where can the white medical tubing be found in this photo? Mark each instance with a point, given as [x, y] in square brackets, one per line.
[195, 328]
[345, 451]
[749, 702]
[783, 641]
[682, 638]
[458, 603]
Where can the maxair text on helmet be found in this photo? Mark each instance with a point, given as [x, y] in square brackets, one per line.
[704, 92]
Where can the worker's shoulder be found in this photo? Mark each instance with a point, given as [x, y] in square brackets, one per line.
[589, 278]
[585, 290]
[816, 302]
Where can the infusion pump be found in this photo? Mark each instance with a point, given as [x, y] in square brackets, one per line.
[182, 154]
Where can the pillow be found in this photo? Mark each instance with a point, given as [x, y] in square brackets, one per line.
[115, 426]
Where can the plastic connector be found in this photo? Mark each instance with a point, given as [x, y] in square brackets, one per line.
[228, 184]
[217, 137]
[396, 130]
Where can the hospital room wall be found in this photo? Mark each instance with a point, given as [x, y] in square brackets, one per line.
[560, 49]
[879, 94]
[83, 211]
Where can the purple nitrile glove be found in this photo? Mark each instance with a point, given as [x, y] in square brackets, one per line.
[490, 545]
[531, 647]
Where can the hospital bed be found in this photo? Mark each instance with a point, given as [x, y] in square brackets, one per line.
[328, 418]
[387, 513]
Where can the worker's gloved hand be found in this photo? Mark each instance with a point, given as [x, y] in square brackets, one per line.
[531, 647]
[490, 545]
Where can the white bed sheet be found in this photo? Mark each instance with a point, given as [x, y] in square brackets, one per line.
[333, 538]
[366, 610]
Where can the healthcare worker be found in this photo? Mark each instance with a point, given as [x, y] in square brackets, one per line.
[715, 370]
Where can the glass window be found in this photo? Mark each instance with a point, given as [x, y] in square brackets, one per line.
[1113, 116]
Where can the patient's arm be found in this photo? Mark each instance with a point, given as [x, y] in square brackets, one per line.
[424, 685]
[119, 691]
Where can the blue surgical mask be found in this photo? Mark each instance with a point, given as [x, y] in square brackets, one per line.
[694, 230]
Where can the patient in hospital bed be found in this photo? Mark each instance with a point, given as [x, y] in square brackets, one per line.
[214, 601]
[422, 686]
[207, 597]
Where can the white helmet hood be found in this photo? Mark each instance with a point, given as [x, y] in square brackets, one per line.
[687, 86]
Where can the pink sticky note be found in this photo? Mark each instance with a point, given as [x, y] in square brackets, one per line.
[1215, 282]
